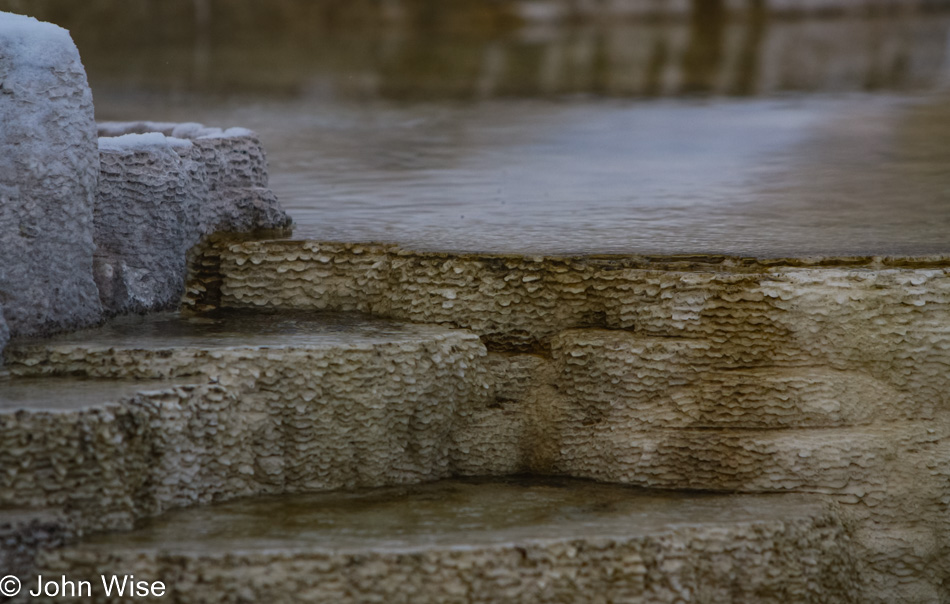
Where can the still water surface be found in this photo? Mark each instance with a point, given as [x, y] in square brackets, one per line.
[471, 128]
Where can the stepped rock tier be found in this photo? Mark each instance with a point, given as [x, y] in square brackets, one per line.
[344, 422]
[323, 366]
[293, 403]
[525, 540]
[818, 375]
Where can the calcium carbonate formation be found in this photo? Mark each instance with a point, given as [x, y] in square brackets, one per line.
[93, 226]
[795, 409]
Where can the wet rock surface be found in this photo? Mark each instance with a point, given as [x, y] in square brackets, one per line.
[94, 449]
[817, 375]
[880, 315]
[295, 403]
[814, 376]
[518, 540]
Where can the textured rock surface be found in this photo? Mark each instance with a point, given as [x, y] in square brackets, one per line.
[77, 243]
[390, 404]
[815, 375]
[292, 405]
[137, 450]
[4, 331]
[48, 172]
[540, 541]
[821, 377]
[886, 317]
[162, 188]
[295, 405]
[25, 533]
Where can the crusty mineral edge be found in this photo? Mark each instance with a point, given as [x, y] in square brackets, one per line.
[203, 278]
[262, 240]
[712, 373]
[802, 558]
[690, 372]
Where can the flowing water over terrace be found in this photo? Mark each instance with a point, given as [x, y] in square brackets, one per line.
[70, 394]
[258, 329]
[360, 422]
[453, 512]
[501, 128]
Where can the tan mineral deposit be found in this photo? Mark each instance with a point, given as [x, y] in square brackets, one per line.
[195, 408]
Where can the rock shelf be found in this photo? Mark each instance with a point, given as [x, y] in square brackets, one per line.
[796, 411]
[106, 452]
[817, 375]
[488, 541]
[294, 403]
[814, 377]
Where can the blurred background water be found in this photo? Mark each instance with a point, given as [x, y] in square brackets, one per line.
[768, 128]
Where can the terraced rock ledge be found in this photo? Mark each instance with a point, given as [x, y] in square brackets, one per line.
[817, 375]
[525, 540]
[335, 422]
[289, 403]
[810, 393]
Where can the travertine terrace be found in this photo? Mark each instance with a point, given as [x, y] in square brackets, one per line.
[348, 422]
[706, 373]
[245, 404]
[162, 188]
[823, 377]
[91, 227]
[525, 540]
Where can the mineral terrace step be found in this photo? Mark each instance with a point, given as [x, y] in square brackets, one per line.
[875, 465]
[760, 398]
[310, 401]
[547, 540]
[886, 316]
[305, 401]
[625, 377]
[169, 344]
[295, 402]
[34, 395]
[104, 452]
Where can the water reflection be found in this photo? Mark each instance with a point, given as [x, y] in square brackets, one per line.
[716, 126]
[419, 49]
